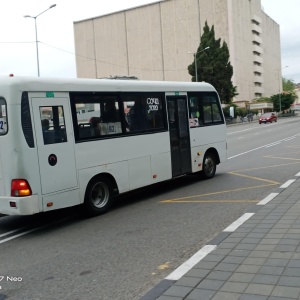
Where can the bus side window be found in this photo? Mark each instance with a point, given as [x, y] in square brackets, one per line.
[53, 124]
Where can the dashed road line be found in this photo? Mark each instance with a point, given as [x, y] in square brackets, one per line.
[267, 199]
[236, 224]
[288, 183]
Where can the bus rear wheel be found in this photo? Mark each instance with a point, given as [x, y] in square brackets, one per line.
[98, 196]
[209, 166]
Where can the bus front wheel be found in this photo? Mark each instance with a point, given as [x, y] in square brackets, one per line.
[98, 196]
[209, 166]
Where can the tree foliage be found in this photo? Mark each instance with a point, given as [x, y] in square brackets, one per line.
[286, 101]
[288, 85]
[213, 65]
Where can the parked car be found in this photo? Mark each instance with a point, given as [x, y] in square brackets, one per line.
[267, 117]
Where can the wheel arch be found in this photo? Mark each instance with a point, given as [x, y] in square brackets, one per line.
[214, 152]
[107, 176]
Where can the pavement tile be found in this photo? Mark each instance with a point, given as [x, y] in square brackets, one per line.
[233, 240]
[282, 226]
[255, 235]
[225, 245]
[199, 294]
[294, 230]
[265, 279]
[276, 262]
[276, 233]
[254, 261]
[208, 265]
[289, 242]
[271, 270]
[288, 292]
[266, 241]
[226, 267]
[199, 273]
[237, 235]
[233, 259]
[249, 240]
[285, 248]
[163, 297]
[209, 284]
[178, 291]
[260, 289]
[226, 296]
[265, 247]
[238, 252]
[291, 272]
[287, 255]
[213, 257]
[248, 269]
[289, 281]
[259, 254]
[278, 298]
[253, 297]
[188, 281]
[219, 251]
[219, 275]
[245, 246]
[241, 277]
[261, 230]
[297, 254]
[243, 230]
[234, 287]
[294, 263]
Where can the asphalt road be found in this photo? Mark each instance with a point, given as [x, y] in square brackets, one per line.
[149, 233]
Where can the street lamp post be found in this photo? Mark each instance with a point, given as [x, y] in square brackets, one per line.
[195, 54]
[279, 82]
[36, 39]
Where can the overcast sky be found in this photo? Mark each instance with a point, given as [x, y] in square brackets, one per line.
[55, 33]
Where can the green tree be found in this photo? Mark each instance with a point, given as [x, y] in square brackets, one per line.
[288, 85]
[213, 65]
[286, 101]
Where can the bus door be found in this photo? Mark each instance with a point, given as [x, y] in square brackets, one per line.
[179, 135]
[55, 144]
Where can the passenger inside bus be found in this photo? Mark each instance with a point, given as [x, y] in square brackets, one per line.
[45, 124]
[110, 114]
[95, 125]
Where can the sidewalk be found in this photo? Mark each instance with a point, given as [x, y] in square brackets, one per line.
[256, 258]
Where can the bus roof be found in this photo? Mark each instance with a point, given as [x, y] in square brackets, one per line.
[43, 84]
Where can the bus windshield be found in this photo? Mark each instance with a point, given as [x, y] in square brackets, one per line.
[3, 117]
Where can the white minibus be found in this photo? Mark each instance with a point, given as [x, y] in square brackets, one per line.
[67, 142]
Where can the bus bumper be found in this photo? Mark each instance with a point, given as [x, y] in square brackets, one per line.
[19, 205]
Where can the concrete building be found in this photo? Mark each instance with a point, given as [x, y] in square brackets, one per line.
[152, 42]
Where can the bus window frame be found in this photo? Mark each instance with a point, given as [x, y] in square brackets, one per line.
[6, 117]
[120, 100]
[162, 97]
[201, 96]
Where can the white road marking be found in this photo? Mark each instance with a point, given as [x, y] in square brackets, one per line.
[236, 224]
[10, 232]
[267, 199]
[20, 234]
[191, 262]
[298, 174]
[28, 231]
[265, 146]
[288, 183]
[273, 144]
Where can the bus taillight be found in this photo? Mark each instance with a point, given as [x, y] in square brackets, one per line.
[20, 188]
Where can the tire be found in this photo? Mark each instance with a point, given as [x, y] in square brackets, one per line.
[209, 166]
[98, 196]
